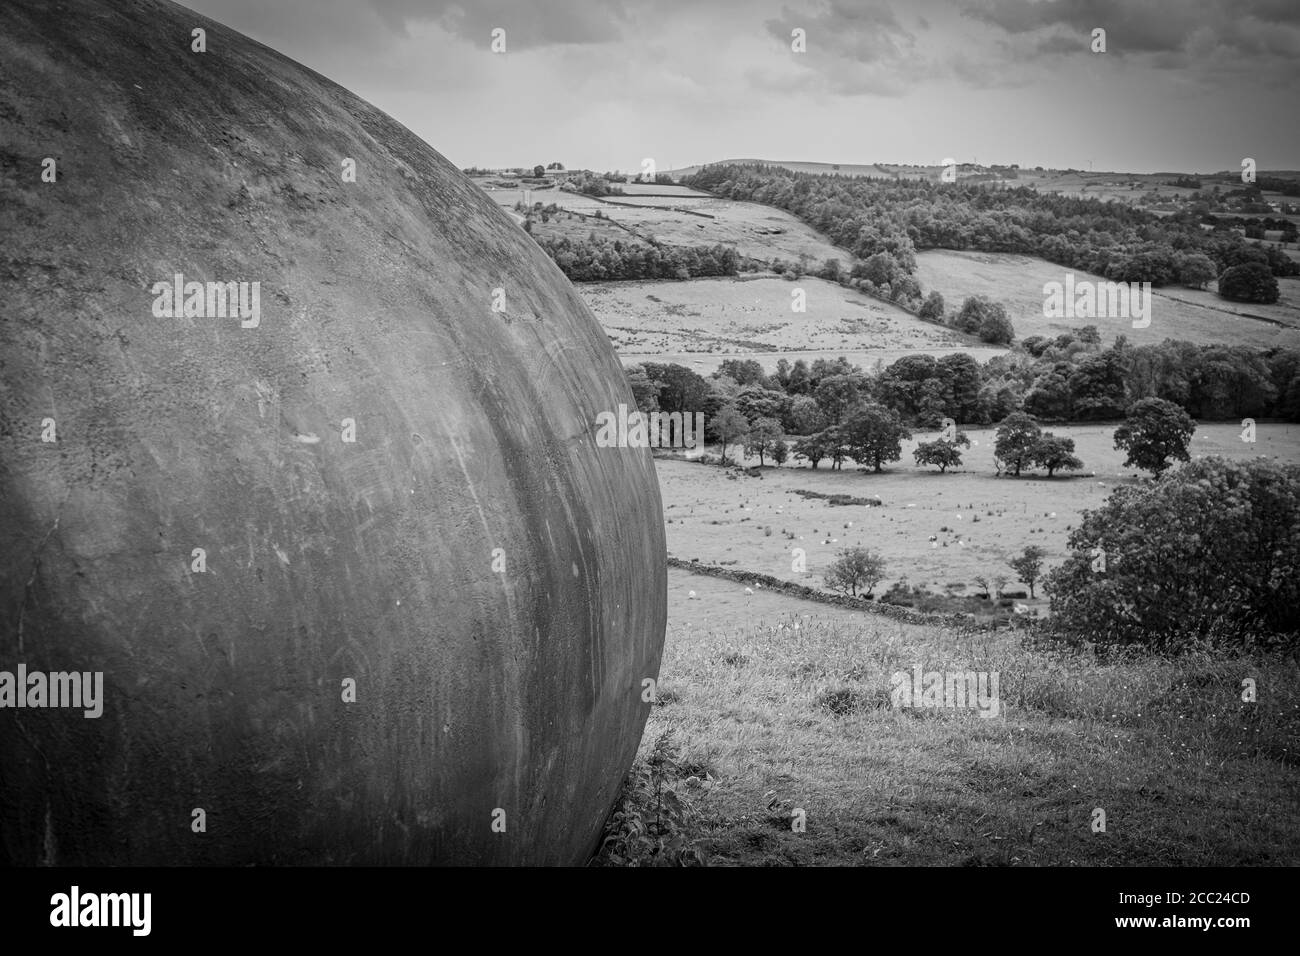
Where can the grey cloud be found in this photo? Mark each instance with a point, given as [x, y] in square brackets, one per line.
[1156, 26]
[853, 47]
[867, 33]
[528, 24]
[1059, 44]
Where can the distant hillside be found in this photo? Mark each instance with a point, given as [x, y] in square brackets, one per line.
[855, 170]
[1067, 181]
[841, 169]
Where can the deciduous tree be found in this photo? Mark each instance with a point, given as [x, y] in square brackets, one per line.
[1028, 565]
[854, 570]
[1155, 434]
[873, 435]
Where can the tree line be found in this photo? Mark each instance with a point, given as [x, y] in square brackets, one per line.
[896, 218]
[597, 259]
[1069, 378]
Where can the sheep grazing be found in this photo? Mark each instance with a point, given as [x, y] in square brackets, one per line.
[690, 595]
[749, 590]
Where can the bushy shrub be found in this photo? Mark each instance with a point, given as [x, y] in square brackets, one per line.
[1207, 553]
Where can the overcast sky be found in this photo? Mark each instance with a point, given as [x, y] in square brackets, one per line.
[1187, 85]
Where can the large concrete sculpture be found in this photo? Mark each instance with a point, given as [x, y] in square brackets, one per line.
[297, 451]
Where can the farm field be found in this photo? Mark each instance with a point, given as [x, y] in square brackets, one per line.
[762, 232]
[1123, 187]
[756, 231]
[721, 519]
[663, 194]
[1200, 317]
[753, 314]
[1285, 311]
[733, 325]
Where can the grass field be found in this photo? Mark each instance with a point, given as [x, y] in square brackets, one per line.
[754, 314]
[722, 519]
[763, 232]
[1195, 316]
[738, 320]
[792, 711]
[756, 231]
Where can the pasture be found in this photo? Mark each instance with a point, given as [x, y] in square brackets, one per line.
[977, 519]
[1200, 317]
[753, 314]
[1130, 188]
[756, 231]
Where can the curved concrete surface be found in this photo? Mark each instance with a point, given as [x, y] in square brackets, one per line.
[491, 687]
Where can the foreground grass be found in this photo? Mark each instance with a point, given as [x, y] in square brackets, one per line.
[753, 724]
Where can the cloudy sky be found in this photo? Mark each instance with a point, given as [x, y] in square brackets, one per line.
[1188, 85]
